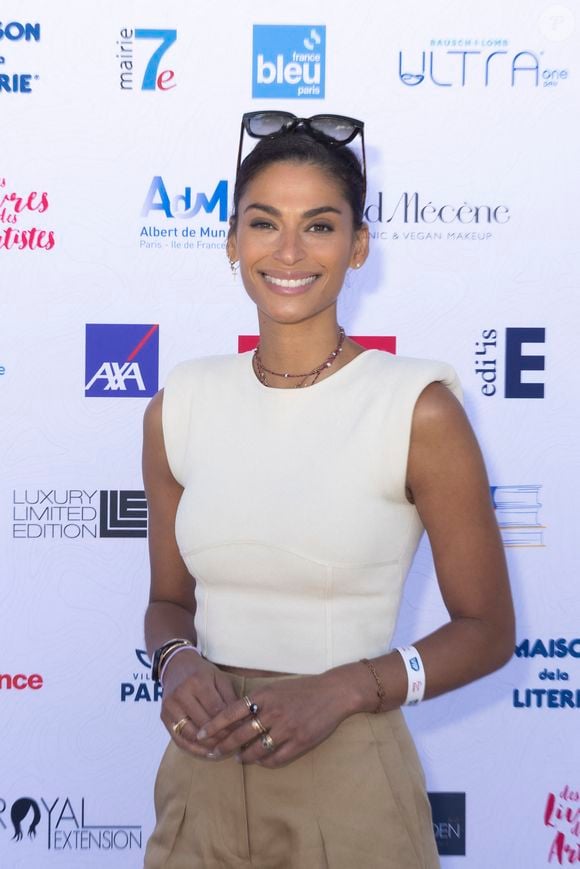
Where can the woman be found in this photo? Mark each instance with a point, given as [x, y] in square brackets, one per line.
[287, 493]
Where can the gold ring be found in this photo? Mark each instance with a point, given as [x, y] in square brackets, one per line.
[179, 725]
[267, 742]
[258, 726]
[253, 708]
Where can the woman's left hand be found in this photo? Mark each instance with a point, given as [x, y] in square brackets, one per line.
[298, 713]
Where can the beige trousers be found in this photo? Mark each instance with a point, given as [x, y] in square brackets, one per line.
[356, 801]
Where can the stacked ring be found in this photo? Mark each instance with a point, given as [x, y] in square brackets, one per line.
[252, 707]
[179, 725]
[267, 742]
[258, 726]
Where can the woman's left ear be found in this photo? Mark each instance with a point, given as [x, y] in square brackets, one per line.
[361, 247]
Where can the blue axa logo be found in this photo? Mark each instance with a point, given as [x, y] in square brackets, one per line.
[289, 61]
[122, 360]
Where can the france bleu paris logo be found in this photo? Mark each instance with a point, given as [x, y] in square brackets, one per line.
[289, 61]
[122, 361]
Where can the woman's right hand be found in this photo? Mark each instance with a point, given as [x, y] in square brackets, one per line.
[194, 689]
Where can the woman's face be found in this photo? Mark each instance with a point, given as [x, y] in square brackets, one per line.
[295, 240]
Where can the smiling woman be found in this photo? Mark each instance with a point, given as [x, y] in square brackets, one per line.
[279, 549]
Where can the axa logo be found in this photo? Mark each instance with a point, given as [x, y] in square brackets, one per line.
[289, 61]
[122, 361]
[184, 205]
[147, 75]
[463, 66]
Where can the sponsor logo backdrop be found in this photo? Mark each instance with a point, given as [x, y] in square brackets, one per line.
[120, 128]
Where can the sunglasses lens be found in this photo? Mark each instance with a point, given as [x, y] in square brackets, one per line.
[267, 123]
[334, 128]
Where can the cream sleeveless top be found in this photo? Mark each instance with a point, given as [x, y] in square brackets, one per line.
[293, 520]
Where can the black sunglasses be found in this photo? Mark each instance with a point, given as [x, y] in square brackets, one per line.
[334, 130]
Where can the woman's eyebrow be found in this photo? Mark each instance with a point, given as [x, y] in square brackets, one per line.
[312, 212]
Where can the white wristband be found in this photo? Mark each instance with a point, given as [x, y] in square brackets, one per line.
[415, 674]
[189, 648]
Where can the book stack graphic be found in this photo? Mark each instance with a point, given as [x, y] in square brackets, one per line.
[517, 509]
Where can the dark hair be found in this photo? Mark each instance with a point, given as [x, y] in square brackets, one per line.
[340, 164]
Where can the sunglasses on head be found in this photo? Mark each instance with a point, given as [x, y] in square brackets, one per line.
[333, 130]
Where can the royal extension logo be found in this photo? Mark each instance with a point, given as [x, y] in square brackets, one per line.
[141, 687]
[555, 656]
[171, 207]
[64, 824]
[518, 356]
[121, 361]
[289, 61]
[141, 56]
[448, 810]
[72, 514]
[485, 63]
[10, 33]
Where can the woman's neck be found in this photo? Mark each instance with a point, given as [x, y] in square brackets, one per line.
[298, 348]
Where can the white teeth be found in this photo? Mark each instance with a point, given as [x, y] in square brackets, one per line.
[300, 282]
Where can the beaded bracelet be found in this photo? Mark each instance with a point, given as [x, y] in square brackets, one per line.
[381, 693]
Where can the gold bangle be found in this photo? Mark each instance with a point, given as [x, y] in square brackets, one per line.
[381, 693]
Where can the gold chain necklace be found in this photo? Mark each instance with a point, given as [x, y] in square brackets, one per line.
[261, 369]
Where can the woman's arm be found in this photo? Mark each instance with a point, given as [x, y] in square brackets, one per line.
[447, 481]
[192, 687]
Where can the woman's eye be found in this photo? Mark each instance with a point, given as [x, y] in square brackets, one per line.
[261, 224]
[320, 227]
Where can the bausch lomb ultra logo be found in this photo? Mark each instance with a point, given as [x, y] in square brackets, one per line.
[289, 61]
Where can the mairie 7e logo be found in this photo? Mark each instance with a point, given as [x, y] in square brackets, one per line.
[289, 61]
[121, 361]
[143, 55]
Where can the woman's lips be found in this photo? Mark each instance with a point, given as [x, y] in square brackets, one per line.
[288, 285]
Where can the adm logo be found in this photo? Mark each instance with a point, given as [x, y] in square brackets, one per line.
[289, 61]
[122, 361]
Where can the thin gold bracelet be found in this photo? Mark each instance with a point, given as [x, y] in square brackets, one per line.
[381, 693]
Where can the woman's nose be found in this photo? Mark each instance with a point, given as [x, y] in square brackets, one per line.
[290, 247]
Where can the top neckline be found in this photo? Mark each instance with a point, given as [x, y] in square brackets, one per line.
[338, 376]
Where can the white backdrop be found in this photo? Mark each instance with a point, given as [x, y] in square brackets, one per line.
[472, 142]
